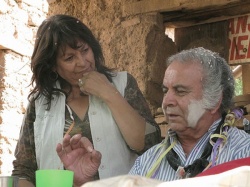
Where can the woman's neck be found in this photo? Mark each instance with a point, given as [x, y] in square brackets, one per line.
[75, 94]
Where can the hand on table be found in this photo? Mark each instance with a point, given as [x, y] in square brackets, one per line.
[78, 155]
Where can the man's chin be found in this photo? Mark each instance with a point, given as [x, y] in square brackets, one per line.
[176, 126]
[173, 125]
[192, 126]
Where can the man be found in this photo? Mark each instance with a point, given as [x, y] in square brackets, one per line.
[198, 89]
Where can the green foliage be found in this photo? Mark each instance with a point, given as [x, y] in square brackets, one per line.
[238, 86]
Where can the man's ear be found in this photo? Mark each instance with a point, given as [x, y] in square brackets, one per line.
[217, 107]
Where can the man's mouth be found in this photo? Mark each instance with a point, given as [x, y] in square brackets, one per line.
[171, 116]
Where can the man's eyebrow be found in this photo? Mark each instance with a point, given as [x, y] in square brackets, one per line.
[177, 86]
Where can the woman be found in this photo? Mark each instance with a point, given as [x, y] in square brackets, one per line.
[75, 93]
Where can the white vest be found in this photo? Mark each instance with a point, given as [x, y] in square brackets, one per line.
[117, 159]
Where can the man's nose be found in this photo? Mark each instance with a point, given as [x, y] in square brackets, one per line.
[169, 99]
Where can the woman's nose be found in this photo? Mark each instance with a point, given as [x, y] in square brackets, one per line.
[81, 59]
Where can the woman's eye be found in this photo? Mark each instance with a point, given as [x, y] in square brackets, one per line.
[69, 58]
[85, 49]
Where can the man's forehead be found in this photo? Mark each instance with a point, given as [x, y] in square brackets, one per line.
[183, 72]
[171, 73]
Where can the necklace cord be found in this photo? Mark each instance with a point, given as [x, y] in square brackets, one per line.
[201, 163]
[157, 163]
[217, 139]
[174, 161]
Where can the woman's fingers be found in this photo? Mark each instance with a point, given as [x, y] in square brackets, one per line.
[82, 82]
[66, 144]
[96, 157]
[59, 150]
[77, 141]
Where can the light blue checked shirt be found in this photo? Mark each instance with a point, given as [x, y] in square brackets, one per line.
[237, 146]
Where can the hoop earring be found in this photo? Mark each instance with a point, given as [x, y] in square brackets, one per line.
[53, 75]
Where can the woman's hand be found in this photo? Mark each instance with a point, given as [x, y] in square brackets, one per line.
[95, 83]
[130, 123]
[78, 155]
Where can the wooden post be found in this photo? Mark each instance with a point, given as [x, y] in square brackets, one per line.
[246, 78]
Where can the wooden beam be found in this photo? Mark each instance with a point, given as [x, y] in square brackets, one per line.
[184, 18]
[146, 6]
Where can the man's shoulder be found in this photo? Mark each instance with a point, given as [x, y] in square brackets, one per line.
[236, 132]
[152, 151]
[238, 137]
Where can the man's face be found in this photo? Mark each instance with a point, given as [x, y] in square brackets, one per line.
[182, 101]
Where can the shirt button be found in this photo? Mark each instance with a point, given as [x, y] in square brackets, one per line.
[98, 139]
[102, 167]
[93, 113]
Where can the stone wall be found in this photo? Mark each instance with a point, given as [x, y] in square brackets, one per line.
[19, 20]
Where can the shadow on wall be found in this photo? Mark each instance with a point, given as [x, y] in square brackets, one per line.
[156, 71]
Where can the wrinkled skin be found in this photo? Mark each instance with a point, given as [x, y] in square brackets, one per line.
[77, 154]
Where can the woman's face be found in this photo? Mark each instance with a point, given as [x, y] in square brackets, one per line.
[71, 64]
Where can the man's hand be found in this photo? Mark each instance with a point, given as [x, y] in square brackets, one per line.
[78, 155]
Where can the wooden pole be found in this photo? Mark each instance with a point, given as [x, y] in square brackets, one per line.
[246, 78]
